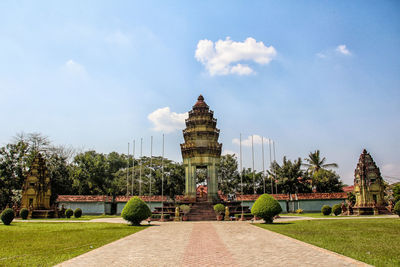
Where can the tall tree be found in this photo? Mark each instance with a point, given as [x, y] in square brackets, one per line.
[291, 178]
[315, 163]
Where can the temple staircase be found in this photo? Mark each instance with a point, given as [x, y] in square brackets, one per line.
[202, 211]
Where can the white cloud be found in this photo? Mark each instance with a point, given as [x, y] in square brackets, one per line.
[74, 68]
[343, 50]
[257, 140]
[118, 38]
[321, 55]
[166, 121]
[227, 151]
[220, 57]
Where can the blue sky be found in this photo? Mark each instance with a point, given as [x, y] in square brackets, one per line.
[307, 74]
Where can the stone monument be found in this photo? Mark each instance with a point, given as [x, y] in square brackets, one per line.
[368, 186]
[36, 191]
[201, 149]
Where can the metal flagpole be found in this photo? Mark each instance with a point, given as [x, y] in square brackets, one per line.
[270, 163]
[127, 175]
[140, 170]
[133, 167]
[276, 184]
[241, 173]
[262, 145]
[151, 161]
[162, 180]
[252, 158]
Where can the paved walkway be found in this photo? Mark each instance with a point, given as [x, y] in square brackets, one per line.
[209, 244]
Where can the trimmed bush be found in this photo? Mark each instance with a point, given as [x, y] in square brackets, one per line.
[7, 216]
[326, 210]
[77, 213]
[185, 209]
[396, 208]
[219, 208]
[24, 213]
[266, 207]
[337, 209]
[135, 211]
[69, 213]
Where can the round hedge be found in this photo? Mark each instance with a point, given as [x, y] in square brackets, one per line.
[219, 208]
[266, 207]
[326, 210]
[24, 213]
[337, 209]
[135, 211]
[69, 213]
[7, 216]
[77, 213]
[396, 208]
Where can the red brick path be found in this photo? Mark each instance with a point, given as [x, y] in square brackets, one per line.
[205, 248]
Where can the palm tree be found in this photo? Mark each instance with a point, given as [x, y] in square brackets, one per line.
[315, 163]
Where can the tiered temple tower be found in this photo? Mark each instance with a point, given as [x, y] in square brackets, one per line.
[36, 191]
[201, 149]
[368, 186]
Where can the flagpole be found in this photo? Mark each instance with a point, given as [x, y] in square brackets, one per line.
[241, 173]
[262, 145]
[127, 175]
[151, 161]
[270, 164]
[140, 170]
[252, 158]
[162, 180]
[133, 167]
[276, 184]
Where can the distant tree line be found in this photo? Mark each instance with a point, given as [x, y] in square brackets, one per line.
[93, 173]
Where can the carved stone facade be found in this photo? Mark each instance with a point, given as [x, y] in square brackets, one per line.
[201, 149]
[368, 186]
[36, 191]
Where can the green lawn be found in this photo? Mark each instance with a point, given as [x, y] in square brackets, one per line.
[46, 244]
[313, 215]
[374, 241]
[83, 218]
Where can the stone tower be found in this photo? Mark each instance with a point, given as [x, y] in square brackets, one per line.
[36, 191]
[368, 186]
[201, 149]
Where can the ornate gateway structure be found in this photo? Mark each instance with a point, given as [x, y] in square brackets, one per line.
[368, 186]
[201, 149]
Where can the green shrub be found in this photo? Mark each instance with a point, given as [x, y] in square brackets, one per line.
[337, 209]
[7, 216]
[185, 208]
[69, 213]
[24, 213]
[396, 208]
[219, 208]
[266, 207]
[77, 213]
[135, 211]
[326, 210]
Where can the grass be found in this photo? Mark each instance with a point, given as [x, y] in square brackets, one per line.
[313, 215]
[320, 215]
[46, 244]
[83, 218]
[374, 241]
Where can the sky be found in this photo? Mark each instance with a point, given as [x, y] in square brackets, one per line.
[306, 74]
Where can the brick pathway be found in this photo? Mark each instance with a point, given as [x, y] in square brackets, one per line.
[209, 244]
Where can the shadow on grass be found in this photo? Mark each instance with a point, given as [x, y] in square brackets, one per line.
[275, 224]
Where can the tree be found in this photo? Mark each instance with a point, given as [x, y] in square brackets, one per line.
[315, 163]
[291, 178]
[326, 181]
[228, 175]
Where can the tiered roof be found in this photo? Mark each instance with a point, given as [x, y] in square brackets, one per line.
[201, 135]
